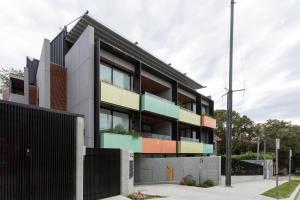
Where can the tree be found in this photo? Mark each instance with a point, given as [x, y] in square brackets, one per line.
[243, 132]
[4, 76]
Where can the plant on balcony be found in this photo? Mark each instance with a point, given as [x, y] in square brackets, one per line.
[119, 129]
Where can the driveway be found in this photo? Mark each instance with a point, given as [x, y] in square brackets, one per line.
[239, 191]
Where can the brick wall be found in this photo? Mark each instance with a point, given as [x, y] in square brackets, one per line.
[58, 87]
[32, 95]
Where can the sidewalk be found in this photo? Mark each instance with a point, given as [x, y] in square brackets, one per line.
[240, 191]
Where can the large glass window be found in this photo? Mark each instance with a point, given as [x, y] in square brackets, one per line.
[121, 79]
[105, 119]
[113, 120]
[114, 76]
[204, 109]
[105, 73]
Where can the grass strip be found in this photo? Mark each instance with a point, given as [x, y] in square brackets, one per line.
[284, 190]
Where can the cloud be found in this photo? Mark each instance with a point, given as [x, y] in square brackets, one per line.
[192, 35]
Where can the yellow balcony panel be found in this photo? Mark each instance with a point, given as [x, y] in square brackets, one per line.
[118, 96]
[189, 117]
[190, 147]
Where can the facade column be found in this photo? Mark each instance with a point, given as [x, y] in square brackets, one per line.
[175, 133]
[137, 87]
[97, 93]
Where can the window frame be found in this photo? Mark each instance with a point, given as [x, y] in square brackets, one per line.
[111, 111]
[112, 68]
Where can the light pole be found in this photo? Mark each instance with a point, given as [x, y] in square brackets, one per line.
[277, 148]
[290, 166]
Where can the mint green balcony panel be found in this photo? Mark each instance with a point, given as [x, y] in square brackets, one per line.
[160, 106]
[208, 148]
[119, 141]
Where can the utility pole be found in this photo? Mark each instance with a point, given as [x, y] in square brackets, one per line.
[229, 103]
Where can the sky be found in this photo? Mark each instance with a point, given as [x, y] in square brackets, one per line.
[193, 35]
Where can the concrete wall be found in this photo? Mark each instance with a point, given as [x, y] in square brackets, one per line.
[167, 94]
[126, 181]
[80, 153]
[16, 98]
[26, 86]
[80, 81]
[154, 170]
[43, 76]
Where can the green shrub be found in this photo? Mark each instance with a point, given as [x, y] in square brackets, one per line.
[188, 180]
[252, 156]
[122, 131]
[206, 184]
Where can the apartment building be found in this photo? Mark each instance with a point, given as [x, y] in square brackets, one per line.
[130, 99]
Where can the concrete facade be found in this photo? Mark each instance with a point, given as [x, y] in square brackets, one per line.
[43, 76]
[79, 62]
[154, 170]
[127, 161]
[80, 153]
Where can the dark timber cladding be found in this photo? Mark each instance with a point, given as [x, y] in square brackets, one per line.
[37, 152]
[58, 48]
[108, 36]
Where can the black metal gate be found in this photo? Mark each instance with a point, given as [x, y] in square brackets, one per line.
[101, 173]
[37, 153]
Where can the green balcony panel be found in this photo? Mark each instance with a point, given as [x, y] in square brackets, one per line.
[158, 105]
[119, 141]
[208, 148]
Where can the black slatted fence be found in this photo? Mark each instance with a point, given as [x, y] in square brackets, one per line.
[101, 173]
[37, 153]
[242, 168]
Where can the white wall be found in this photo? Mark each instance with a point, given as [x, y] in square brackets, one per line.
[80, 81]
[43, 76]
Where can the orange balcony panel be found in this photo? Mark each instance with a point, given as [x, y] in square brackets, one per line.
[152, 145]
[208, 122]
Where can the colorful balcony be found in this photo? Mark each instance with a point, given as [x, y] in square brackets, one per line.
[118, 96]
[158, 105]
[120, 141]
[154, 145]
[189, 117]
[208, 148]
[189, 147]
[208, 122]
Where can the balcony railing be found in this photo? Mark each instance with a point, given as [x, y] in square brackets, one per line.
[208, 121]
[120, 141]
[115, 95]
[156, 136]
[187, 116]
[158, 105]
[189, 139]
[190, 147]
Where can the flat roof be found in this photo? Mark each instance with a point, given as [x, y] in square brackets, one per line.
[110, 37]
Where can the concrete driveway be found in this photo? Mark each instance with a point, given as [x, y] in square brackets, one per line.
[240, 191]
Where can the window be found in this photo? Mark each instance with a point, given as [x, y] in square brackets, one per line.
[113, 120]
[105, 73]
[115, 76]
[120, 120]
[121, 79]
[204, 109]
[105, 119]
[146, 128]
